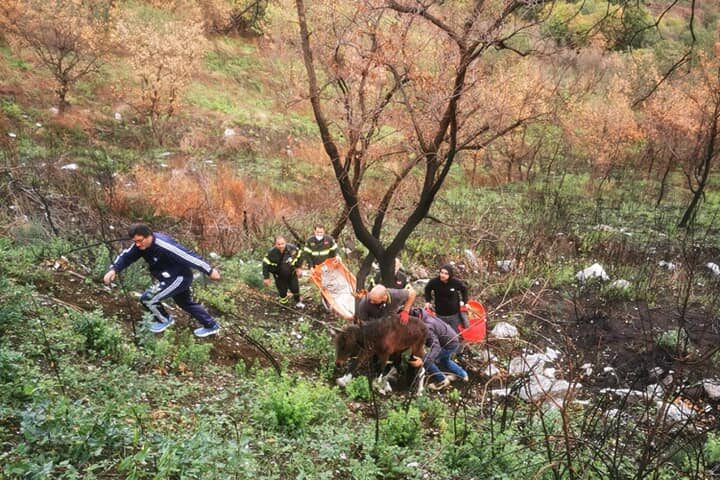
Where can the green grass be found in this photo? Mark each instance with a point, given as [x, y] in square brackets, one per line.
[12, 61]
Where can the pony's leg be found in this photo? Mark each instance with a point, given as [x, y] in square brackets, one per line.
[381, 383]
[420, 379]
[418, 350]
[344, 380]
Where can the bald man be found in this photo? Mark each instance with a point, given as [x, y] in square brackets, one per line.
[381, 301]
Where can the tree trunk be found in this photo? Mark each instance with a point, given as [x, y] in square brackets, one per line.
[704, 173]
[62, 98]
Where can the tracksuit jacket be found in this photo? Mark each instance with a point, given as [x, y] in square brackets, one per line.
[165, 257]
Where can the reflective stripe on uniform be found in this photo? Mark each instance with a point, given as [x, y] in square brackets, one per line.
[319, 253]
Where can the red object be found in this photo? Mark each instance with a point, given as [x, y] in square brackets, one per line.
[404, 317]
[464, 308]
[476, 332]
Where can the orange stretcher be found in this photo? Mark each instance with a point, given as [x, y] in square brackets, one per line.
[337, 286]
[476, 332]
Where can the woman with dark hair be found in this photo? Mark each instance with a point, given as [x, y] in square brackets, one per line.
[450, 296]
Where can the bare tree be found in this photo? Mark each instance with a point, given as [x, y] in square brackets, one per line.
[409, 88]
[69, 38]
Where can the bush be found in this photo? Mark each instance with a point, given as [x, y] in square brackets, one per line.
[15, 382]
[358, 389]
[319, 346]
[402, 428]
[195, 356]
[712, 449]
[62, 438]
[13, 303]
[293, 407]
[102, 338]
[490, 453]
[675, 340]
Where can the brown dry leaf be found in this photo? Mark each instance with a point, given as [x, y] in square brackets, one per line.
[158, 414]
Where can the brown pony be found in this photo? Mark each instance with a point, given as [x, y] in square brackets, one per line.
[382, 339]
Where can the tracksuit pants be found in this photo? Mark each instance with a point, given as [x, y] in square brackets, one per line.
[178, 289]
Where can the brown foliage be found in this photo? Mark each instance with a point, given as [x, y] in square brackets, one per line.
[69, 38]
[232, 16]
[163, 54]
[222, 208]
[601, 127]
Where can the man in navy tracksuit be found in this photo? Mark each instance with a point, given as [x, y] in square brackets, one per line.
[170, 264]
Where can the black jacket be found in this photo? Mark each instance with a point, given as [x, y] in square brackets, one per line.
[282, 264]
[447, 296]
[317, 251]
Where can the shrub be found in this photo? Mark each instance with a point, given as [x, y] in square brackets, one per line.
[490, 453]
[102, 338]
[674, 340]
[14, 380]
[293, 407]
[358, 389]
[402, 427]
[712, 449]
[192, 354]
[61, 438]
[13, 302]
[319, 346]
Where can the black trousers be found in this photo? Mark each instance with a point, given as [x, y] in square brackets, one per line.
[283, 283]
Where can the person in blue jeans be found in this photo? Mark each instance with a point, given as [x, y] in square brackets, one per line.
[171, 265]
[442, 342]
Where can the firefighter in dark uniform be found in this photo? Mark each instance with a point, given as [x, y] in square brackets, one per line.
[283, 262]
[319, 247]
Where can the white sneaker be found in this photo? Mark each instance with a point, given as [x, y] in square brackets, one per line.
[439, 385]
[344, 380]
[299, 305]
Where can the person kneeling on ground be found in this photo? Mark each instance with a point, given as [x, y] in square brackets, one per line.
[170, 264]
[442, 343]
[283, 261]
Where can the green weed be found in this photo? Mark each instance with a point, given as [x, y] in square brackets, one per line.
[294, 406]
[358, 389]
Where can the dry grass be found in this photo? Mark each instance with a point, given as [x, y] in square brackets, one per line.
[216, 202]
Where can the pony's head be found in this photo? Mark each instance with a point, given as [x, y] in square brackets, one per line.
[348, 344]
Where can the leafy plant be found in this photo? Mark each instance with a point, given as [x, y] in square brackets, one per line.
[295, 406]
[101, 337]
[358, 389]
[674, 340]
[194, 355]
[402, 427]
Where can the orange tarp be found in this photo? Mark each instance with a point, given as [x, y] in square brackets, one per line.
[337, 286]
